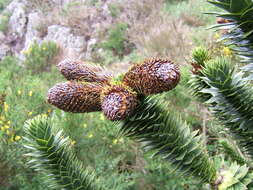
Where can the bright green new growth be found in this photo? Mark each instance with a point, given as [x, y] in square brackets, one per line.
[236, 177]
[200, 55]
[51, 154]
[168, 136]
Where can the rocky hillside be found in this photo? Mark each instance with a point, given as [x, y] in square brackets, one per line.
[87, 29]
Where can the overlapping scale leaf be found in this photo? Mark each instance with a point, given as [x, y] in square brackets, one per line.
[51, 154]
[240, 28]
[81, 71]
[196, 85]
[76, 97]
[118, 101]
[200, 56]
[166, 135]
[152, 76]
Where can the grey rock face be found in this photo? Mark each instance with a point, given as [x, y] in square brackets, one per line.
[32, 33]
[76, 45]
[18, 19]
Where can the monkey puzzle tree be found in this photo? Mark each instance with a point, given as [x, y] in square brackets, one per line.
[127, 99]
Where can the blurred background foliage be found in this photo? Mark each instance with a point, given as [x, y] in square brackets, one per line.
[119, 162]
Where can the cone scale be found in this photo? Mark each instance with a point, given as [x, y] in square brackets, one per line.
[81, 71]
[118, 102]
[75, 97]
[152, 76]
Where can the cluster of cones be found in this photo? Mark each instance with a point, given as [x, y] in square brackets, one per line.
[89, 88]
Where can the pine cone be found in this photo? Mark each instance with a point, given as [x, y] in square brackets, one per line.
[152, 76]
[77, 70]
[118, 102]
[76, 97]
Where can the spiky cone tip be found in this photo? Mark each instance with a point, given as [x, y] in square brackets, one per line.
[153, 76]
[82, 71]
[118, 101]
[76, 97]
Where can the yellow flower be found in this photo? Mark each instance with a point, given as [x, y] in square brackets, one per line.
[2, 128]
[9, 122]
[8, 132]
[226, 51]
[30, 93]
[6, 107]
[19, 92]
[17, 138]
[102, 117]
[90, 135]
[6, 127]
[30, 113]
[115, 141]
[49, 110]
[217, 35]
[73, 143]
[44, 48]
[85, 125]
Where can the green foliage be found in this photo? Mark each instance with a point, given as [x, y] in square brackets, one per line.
[38, 57]
[22, 96]
[116, 40]
[50, 153]
[168, 136]
[232, 150]
[200, 55]
[231, 99]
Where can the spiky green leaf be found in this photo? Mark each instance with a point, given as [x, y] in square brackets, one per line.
[167, 136]
[239, 32]
[231, 100]
[51, 154]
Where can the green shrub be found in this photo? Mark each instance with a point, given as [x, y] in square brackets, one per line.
[39, 57]
[116, 40]
[21, 97]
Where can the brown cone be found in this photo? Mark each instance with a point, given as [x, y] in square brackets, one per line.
[152, 76]
[75, 97]
[77, 70]
[118, 102]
